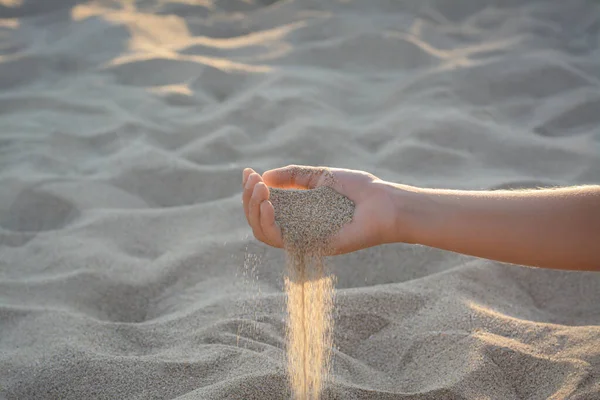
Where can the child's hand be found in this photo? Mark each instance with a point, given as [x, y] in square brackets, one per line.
[374, 219]
[553, 228]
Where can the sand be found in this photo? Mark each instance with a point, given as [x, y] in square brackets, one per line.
[128, 271]
[308, 220]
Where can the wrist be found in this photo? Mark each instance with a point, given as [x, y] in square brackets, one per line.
[412, 209]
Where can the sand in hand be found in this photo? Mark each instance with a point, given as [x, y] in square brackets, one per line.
[308, 219]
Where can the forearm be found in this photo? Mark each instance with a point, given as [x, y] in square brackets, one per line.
[554, 228]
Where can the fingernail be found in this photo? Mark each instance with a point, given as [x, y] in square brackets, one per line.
[257, 189]
[247, 185]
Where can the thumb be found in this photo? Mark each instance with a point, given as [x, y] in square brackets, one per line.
[298, 177]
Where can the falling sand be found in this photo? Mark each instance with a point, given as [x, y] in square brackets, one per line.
[308, 219]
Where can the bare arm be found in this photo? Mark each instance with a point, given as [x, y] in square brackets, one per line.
[549, 228]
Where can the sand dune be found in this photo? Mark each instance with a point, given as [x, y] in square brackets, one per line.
[127, 269]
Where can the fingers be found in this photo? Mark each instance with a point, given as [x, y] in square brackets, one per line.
[267, 222]
[252, 179]
[260, 194]
[246, 174]
[294, 177]
[255, 200]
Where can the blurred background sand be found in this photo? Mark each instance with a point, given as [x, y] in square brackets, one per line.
[127, 269]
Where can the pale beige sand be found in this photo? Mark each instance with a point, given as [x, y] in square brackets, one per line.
[127, 269]
[308, 220]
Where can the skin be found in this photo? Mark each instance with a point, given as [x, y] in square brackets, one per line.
[547, 228]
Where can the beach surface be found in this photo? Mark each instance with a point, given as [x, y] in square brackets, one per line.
[127, 268]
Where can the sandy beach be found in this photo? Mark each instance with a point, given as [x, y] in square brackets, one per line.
[127, 268]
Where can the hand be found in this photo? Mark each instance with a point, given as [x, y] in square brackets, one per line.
[374, 220]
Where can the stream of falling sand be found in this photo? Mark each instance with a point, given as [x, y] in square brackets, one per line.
[308, 218]
[309, 303]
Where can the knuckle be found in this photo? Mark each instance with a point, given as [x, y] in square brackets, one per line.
[253, 177]
[258, 188]
[255, 200]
